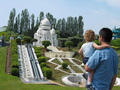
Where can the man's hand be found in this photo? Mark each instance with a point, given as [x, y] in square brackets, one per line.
[113, 82]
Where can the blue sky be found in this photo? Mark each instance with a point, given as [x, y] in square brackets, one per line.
[96, 13]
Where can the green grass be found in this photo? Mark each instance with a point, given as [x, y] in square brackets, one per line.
[76, 69]
[56, 61]
[118, 52]
[115, 42]
[57, 75]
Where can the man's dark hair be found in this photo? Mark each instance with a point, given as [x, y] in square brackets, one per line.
[106, 34]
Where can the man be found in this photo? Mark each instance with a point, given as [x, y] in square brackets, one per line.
[104, 63]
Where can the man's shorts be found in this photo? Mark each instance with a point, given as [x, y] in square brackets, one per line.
[85, 60]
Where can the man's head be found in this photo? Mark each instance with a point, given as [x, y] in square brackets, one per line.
[105, 35]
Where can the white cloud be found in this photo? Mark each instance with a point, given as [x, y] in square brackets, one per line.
[114, 3]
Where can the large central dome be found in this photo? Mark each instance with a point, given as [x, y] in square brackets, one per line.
[45, 24]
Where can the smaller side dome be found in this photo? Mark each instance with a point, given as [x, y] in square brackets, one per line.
[52, 31]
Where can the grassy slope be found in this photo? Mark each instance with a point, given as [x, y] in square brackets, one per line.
[8, 82]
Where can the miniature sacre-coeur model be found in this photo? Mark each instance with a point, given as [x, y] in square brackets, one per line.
[45, 32]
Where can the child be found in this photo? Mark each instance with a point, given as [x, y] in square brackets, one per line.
[88, 49]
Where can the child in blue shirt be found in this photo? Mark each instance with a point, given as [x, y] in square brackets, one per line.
[88, 48]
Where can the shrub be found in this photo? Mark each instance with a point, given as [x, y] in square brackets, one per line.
[15, 66]
[38, 55]
[42, 59]
[75, 40]
[46, 43]
[18, 41]
[64, 65]
[69, 44]
[38, 50]
[14, 59]
[27, 39]
[15, 71]
[47, 72]
[34, 40]
[62, 41]
[43, 65]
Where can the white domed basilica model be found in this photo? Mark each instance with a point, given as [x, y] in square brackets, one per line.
[44, 32]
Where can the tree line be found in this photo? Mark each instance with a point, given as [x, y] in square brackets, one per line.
[24, 23]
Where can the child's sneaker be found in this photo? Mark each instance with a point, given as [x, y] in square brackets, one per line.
[82, 64]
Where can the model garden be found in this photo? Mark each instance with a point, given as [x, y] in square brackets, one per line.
[43, 54]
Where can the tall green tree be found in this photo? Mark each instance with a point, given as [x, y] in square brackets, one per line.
[59, 25]
[41, 16]
[75, 27]
[69, 26]
[50, 18]
[25, 21]
[17, 24]
[80, 25]
[32, 21]
[54, 23]
[63, 30]
[37, 23]
[11, 20]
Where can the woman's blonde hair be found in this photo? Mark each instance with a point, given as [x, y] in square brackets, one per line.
[89, 35]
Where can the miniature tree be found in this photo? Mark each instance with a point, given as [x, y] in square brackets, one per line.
[69, 44]
[64, 65]
[46, 43]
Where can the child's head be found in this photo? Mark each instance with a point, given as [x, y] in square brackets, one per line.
[89, 36]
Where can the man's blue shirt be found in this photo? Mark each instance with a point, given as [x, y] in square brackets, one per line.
[104, 62]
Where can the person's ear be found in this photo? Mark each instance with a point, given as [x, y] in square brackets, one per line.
[101, 38]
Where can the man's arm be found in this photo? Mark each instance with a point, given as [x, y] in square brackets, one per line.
[113, 82]
[88, 69]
